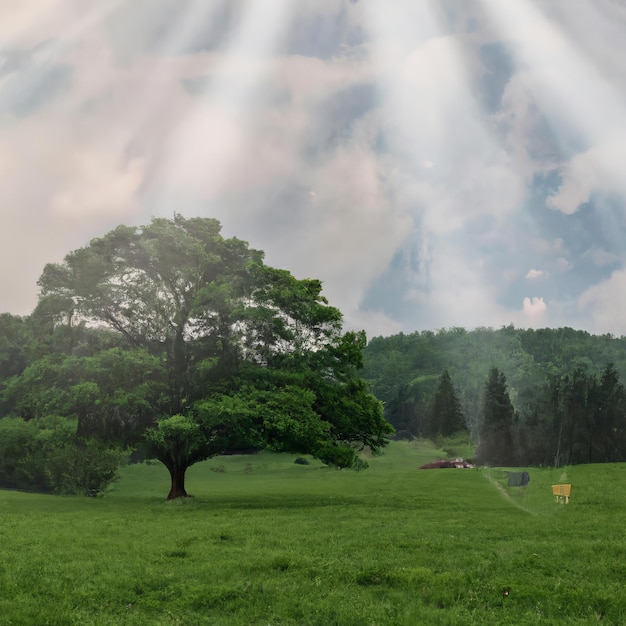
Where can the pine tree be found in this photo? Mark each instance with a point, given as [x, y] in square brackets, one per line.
[447, 417]
[496, 435]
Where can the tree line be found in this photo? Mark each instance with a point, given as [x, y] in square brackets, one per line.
[525, 397]
[172, 342]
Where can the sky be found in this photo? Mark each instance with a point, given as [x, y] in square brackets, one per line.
[436, 163]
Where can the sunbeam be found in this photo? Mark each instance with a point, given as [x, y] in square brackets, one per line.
[569, 91]
[57, 23]
[27, 23]
[159, 80]
[212, 137]
[449, 170]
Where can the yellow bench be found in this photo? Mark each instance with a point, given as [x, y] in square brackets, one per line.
[561, 492]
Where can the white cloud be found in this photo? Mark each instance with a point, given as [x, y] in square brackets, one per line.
[598, 169]
[353, 231]
[563, 265]
[604, 304]
[28, 22]
[534, 308]
[535, 274]
[601, 257]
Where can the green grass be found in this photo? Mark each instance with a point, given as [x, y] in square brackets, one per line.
[266, 541]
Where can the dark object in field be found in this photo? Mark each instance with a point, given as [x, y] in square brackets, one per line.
[301, 461]
[518, 479]
[457, 464]
[403, 435]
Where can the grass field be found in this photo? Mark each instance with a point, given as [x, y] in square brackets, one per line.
[266, 541]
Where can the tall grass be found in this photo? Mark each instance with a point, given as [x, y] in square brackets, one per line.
[267, 541]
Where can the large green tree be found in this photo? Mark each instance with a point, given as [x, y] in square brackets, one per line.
[252, 356]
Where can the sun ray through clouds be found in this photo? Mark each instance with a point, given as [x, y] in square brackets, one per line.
[567, 72]
[158, 96]
[213, 136]
[159, 76]
[57, 23]
[449, 169]
[570, 91]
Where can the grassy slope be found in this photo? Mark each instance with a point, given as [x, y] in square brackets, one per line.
[270, 542]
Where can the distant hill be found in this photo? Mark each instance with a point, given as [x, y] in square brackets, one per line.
[404, 371]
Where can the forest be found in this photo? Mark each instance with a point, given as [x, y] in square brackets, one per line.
[526, 397]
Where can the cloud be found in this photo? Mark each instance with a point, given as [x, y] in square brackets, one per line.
[597, 169]
[534, 308]
[562, 264]
[603, 305]
[601, 257]
[417, 158]
[101, 187]
[535, 274]
[28, 22]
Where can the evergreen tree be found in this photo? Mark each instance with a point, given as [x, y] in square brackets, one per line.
[496, 445]
[446, 415]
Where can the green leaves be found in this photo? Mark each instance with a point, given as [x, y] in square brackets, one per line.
[114, 394]
[177, 441]
[45, 455]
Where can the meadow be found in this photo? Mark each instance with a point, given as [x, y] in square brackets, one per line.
[265, 541]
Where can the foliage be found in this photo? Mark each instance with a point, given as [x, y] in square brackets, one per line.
[45, 455]
[168, 287]
[84, 467]
[113, 394]
[12, 346]
[578, 418]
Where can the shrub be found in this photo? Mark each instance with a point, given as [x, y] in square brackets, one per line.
[337, 456]
[83, 467]
[44, 455]
[19, 462]
[341, 457]
[403, 435]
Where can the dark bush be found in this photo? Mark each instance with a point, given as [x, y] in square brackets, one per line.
[403, 435]
[45, 455]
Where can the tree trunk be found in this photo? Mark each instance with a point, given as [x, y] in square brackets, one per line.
[178, 483]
